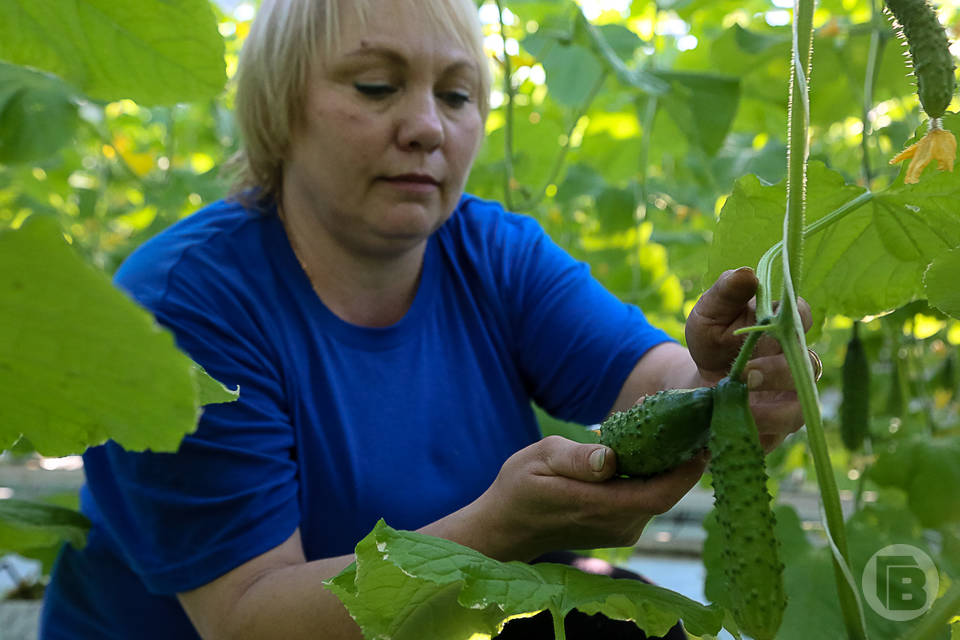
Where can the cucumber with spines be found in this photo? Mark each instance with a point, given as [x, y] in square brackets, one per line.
[662, 432]
[751, 551]
[933, 63]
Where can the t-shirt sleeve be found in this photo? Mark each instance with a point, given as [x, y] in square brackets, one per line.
[230, 491]
[576, 342]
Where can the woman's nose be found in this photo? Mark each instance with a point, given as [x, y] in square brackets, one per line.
[420, 127]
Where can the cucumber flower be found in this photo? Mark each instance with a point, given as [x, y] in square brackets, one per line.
[939, 144]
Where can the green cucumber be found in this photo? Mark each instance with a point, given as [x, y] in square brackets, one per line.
[933, 63]
[751, 550]
[662, 432]
[855, 387]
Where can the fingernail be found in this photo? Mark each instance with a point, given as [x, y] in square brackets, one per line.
[754, 379]
[597, 458]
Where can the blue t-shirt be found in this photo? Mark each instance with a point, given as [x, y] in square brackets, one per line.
[337, 425]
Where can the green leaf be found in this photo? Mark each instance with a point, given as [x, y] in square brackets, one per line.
[703, 105]
[79, 361]
[37, 114]
[150, 51]
[929, 471]
[403, 581]
[940, 282]
[26, 525]
[617, 209]
[211, 391]
[870, 262]
[571, 73]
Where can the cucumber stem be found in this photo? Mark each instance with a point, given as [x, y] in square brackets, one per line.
[736, 370]
[559, 630]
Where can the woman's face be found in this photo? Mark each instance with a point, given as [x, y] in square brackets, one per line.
[390, 130]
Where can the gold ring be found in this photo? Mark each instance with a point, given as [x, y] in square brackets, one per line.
[817, 365]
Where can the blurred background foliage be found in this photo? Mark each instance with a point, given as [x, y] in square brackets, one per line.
[621, 126]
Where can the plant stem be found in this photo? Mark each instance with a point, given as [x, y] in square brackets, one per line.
[508, 115]
[798, 139]
[641, 193]
[934, 621]
[877, 42]
[535, 199]
[738, 365]
[509, 178]
[789, 326]
[559, 631]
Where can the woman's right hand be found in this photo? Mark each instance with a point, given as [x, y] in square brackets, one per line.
[560, 494]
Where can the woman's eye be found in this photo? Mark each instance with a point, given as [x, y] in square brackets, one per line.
[455, 99]
[375, 90]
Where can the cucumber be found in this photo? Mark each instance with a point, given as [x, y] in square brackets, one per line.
[855, 387]
[665, 430]
[933, 63]
[751, 551]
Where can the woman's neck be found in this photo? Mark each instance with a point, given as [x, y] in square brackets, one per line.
[362, 289]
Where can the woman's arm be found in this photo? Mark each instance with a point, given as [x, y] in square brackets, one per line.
[553, 494]
[277, 594]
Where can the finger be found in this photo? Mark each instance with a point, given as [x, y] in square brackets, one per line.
[806, 315]
[587, 462]
[770, 441]
[768, 373]
[782, 417]
[767, 346]
[724, 302]
[660, 493]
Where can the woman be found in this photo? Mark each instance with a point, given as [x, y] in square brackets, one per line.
[388, 334]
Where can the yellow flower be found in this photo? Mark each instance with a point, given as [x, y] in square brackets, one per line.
[938, 144]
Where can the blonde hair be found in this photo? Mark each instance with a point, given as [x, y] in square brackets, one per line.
[287, 40]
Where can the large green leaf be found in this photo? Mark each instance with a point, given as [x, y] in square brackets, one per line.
[79, 361]
[571, 69]
[871, 261]
[151, 51]
[940, 282]
[26, 526]
[409, 585]
[929, 471]
[37, 114]
[703, 105]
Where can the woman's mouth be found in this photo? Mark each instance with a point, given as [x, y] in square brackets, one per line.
[418, 182]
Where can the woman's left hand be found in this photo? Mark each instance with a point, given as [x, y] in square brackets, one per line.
[728, 305]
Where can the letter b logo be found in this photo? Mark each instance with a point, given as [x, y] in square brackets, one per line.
[900, 582]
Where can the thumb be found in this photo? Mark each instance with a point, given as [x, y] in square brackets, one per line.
[569, 459]
[723, 303]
